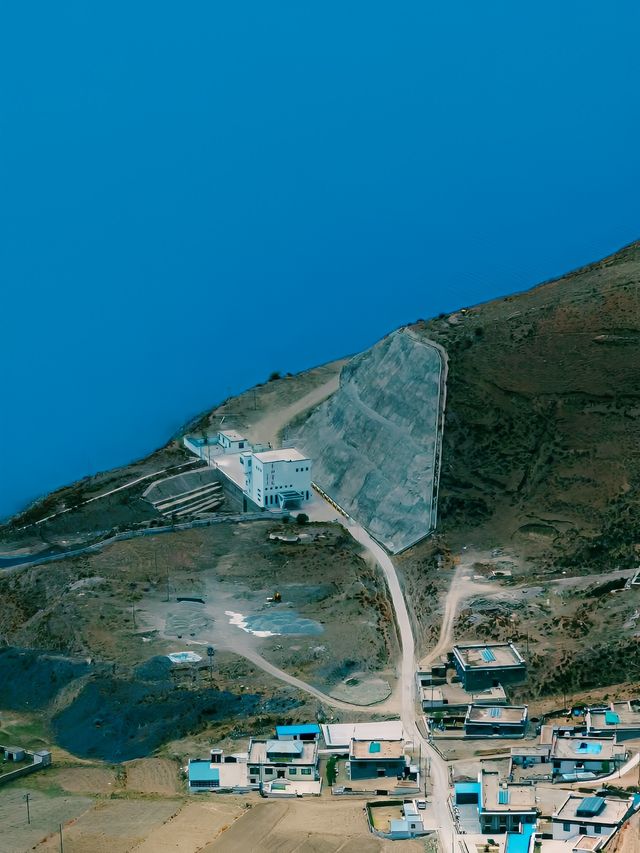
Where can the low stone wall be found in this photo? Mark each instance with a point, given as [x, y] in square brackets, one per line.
[38, 763]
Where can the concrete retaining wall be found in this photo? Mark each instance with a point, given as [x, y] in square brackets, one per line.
[375, 443]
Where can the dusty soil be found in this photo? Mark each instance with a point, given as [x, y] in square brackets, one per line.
[113, 826]
[111, 692]
[152, 776]
[543, 417]
[305, 826]
[46, 813]
[577, 633]
[82, 780]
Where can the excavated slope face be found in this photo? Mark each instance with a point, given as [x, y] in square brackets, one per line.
[374, 443]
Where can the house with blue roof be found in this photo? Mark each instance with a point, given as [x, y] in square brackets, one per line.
[218, 773]
[303, 731]
[592, 816]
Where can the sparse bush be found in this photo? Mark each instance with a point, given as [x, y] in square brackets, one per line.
[273, 376]
[302, 518]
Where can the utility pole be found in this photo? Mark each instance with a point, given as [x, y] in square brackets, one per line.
[61, 847]
[26, 799]
[210, 652]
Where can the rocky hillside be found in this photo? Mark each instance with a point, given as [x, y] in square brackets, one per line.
[542, 436]
[374, 443]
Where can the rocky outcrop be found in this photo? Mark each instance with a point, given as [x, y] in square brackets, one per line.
[375, 443]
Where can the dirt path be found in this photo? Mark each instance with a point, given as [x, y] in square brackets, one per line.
[461, 588]
[256, 658]
[267, 428]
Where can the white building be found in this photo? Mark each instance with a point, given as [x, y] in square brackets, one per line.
[592, 816]
[292, 760]
[277, 478]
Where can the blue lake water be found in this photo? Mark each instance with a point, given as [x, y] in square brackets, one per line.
[193, 197]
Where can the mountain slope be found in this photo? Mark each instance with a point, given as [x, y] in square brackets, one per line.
[542, 434]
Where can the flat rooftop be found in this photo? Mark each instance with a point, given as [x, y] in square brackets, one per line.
[619, 715]
[455, 694]
[499, 797]
[232, 468]
[341, 734]
[586, 748]
[598, 810]
[282, 752]
[232, 435]
[285, 454]
[374, 750]
[588, 842]
[227, 774]
[497, 714]
[487, 655]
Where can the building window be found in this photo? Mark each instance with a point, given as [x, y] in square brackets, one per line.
[254, 771]
[268, 771]
[566, 827]
[306, 771]
[293, 771]
[597, 829]
[583, 830]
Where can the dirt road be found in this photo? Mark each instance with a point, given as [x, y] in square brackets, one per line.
[268, 427]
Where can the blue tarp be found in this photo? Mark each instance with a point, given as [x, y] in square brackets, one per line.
[202, 771]
[518, 842]
[302, 729]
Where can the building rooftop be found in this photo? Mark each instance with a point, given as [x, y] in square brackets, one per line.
[502, 797]
[341, 734]
[530, 750]
[487, 655]
[302, 729]
[496, 714]
[202, 770]
[282, 751]
[618, 715]
[588, 842]
[604, 810]
[455, 694]
[601, 749]
[373, 750]
[232, 435]
[285, 454]
[231, 467]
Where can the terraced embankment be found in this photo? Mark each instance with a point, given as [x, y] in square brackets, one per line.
[375, 443]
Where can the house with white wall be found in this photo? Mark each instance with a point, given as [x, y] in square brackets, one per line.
[292, 760]
[591, 816]
[277, 479]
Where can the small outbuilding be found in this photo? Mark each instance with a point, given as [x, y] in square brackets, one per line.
[14, 753]
[304, 731]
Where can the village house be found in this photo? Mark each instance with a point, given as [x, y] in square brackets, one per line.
[371, 759]
[621, 719]
[496, 721]
[589, 816]
[503, 806]
[482, 665]
[295, 760]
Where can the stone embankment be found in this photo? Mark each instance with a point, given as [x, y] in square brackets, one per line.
[375, 443]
